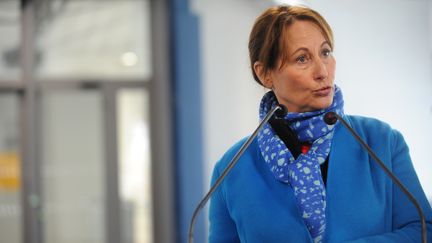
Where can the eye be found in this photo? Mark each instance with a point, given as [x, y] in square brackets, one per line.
[301, 59]
[326, 52]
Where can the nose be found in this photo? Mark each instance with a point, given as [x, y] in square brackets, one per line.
[320, 71]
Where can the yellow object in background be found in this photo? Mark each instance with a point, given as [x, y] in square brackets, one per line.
[10, 176]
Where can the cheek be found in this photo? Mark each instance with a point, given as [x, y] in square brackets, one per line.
[332, 67]
[295, 80]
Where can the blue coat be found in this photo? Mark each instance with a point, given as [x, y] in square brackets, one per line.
[363, 204]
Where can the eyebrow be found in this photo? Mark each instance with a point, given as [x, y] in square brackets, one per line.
[305, 49]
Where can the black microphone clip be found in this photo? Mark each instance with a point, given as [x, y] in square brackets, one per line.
[281, 112]
[330, 118]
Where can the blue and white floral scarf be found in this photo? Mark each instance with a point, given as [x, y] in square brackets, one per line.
[302, 174]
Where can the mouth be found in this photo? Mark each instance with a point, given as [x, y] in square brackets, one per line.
[324, 91]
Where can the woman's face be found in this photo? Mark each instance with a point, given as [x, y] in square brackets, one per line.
[305, 82]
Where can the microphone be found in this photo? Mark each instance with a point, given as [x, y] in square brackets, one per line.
[280, 111]
[331, 118]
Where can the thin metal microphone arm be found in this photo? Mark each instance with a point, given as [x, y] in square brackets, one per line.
[229, 168]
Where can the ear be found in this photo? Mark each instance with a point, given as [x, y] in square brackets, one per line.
[265, 78]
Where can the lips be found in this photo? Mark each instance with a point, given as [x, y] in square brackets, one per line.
[325, 91]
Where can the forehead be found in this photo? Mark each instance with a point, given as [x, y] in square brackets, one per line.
[302, 33]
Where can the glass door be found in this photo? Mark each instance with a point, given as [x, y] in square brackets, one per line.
[10, 169]
[72, 166]
[134, 165]
[95, 164]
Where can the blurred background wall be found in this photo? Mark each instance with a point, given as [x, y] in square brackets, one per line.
[113, 112]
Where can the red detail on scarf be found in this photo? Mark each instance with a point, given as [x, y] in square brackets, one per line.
[305, 148]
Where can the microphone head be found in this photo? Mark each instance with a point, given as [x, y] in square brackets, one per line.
[281, 112]
[330, 118]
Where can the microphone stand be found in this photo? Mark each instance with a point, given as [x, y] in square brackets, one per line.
[330, 118]
[281, 110]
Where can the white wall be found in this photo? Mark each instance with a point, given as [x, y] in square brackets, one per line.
[383, 66]
[230, 95]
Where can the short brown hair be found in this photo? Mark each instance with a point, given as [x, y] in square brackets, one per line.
[266, 38]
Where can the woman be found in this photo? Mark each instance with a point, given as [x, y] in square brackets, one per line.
[302, 180]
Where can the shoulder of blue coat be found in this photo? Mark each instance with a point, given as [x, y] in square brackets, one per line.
[368, 123]
[232, 151]
[373, 127]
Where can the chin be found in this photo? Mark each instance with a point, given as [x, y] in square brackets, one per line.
[324, 105]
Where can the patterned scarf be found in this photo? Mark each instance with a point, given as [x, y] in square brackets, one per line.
[302, 174]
